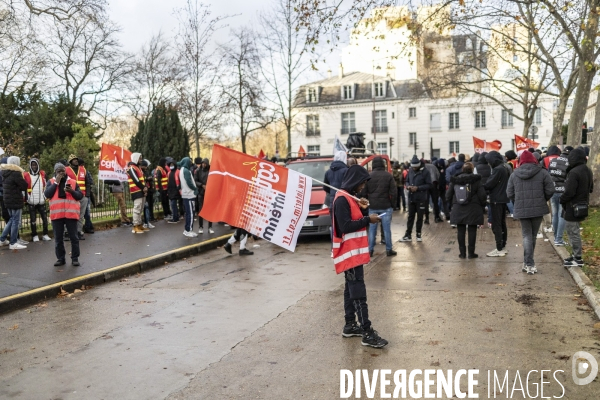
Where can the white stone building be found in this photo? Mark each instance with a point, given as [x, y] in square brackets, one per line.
[385, 98]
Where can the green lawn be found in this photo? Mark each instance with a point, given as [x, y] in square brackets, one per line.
[591, 246]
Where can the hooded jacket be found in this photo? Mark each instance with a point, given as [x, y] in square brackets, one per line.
[441, 166]
[433, 172]
[2, 161]
[201, 177]
[422, 180]
[38, 184]
[381, 188]
[498, 180]
[135, 158]
[188, 187]
[13, 184]
[355, 175]
[579, 184]
[454, 169]
[334, 176]
[557, 167]
[470, 213]
[530, 187]
[483, 168]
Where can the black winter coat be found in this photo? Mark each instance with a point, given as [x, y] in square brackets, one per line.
[578, 186]
[530, 187]
[472, 212]
[334, 177]
[381, 188]
[420, 179]
[483, 169]
[498, 180]
[201, 177]
[172, 188]
[14, 185]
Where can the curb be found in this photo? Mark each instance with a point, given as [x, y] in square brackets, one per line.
[581, 279]
[18, 300]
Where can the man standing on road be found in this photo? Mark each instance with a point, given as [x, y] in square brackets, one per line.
[557, 167]
[137, 189]
[350, 247]
[65, 197]
[398, 173]
[433, 192]
[117, 190]
[13, 185]
[161, 179]
[575, 201]
[201, 179]
[78, 174]
[418, 182]
[36, 184]
[189, 192]
[381, 193]
[496, 188]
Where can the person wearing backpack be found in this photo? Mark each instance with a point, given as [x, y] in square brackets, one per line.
[575, 201]
[468, 198]
[530, 187]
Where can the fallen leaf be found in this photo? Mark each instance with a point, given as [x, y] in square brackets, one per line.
[77, 291]
[434, 343]
[501, 284]
[488, 330]
[435, 364]
[62, 292]
[597, 325]
[15, 326]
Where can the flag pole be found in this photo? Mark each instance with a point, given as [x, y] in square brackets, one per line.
[334, 188]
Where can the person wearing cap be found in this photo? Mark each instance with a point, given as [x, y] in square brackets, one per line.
[65, 196]
[418, 183]
[13, 185]
[530, 187]
[138, 190]
[78, 174]
[36, 184]
[557, 165]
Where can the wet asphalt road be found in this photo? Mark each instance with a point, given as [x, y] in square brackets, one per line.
[268, 326]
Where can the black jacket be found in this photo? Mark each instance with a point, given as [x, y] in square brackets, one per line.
[201, 177]
[557, 168]
[172, 187]
[334, 177]
[14, 185]
[530, 187]
[342, 217]
[420, 179]
[483, 168]
[498, 180]
[51, 189]
[578, 186]
[472, 212]
[381, 188]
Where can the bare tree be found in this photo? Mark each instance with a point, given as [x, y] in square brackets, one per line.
[241, 85]
[200, 102]
[283, 44]
[59, 10]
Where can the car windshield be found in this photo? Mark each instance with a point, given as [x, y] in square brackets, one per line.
[314, 169]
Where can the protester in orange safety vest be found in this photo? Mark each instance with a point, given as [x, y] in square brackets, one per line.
[161, 179]
[78, 173]
[36, 184]
[65, 197]
[138, 190]
[351, 252]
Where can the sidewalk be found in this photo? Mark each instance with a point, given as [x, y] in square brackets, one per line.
[33, 268]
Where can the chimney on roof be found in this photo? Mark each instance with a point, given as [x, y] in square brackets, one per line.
[328, 74]
[341, 75]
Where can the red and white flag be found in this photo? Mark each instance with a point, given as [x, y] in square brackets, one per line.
[485, 146]
[263, 198]
[113, 163]
[523, 144]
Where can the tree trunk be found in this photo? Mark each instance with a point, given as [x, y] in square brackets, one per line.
[558, 121]
[594, 159]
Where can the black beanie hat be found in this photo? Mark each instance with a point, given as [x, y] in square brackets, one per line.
[415, 162]
[461, 157]
[197, 160]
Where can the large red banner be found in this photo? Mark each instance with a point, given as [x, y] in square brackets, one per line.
[485, 146]
[522, 144]
[113, 163]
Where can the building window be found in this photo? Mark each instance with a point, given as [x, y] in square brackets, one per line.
[412, 112]
[453, 120]
[479, 119]
[454, 147]
[381, 121]
[435, 122]
[348, 123]
[412, 138]
[314, 150]
[347, 92]
[538, 117]
[312, 125]
[382, 148]
[378, 89]
[311, 96]
[507, 118]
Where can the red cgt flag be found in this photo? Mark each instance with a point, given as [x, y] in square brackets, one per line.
[263, 198]
[523, 144]
[483, 145]
[301, 152]
[261, 155]
[113, 162]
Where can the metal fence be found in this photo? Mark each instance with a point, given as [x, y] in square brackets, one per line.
[106, 208]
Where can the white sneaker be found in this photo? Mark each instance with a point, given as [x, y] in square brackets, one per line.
[36, 239]
[22, 242]
[46, 238]
[5, 243]
[210, 230]
[531, 270]
[550, 229]
[151, 226]
[201, 231]
[539, 236]
[17, 246]
[496, 253]
[524, 268]
[194, 234]
[145, 226]
[190, 234]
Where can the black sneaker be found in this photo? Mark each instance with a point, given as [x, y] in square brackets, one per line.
[352, 329]
[578, 262]
[419, 239]
[75, 263]
[406, 238]
[59, 263]
[382, 241]
[227, 248]
[569, 262]
[80, 236]
[391, 253]
[471, 256]
[372, 339]
[370, 253]
[438, 220]
[463, 256]
[246, 252]
[426, 222]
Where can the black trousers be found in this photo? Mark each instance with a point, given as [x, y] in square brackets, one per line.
[499, 224]
[444, 203]
[166, 204]
[59, 245]
[356, 308]
[434, 195]
[461, 231]
[417, 209]
[33, 210]
[150, 201]
[200, 200]
[401, 199]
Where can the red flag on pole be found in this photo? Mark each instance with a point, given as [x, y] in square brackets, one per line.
[113, 163]
[483, 145]
[261, 155]
[523, 144]
[301, 152]
[263, 198]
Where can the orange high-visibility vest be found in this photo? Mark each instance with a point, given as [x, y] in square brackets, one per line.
[164, 178]
[514, 163]
[27, 177]
[133, 188]
[79, 177]
[352, 249]
[64, 208]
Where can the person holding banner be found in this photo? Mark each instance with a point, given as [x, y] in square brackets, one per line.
[137, 189]
[351, 252]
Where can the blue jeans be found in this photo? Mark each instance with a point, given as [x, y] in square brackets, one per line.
[386, 221]
[174, 210]
[511, 207]
[558, 222]
[12, 226]
[188, 205]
